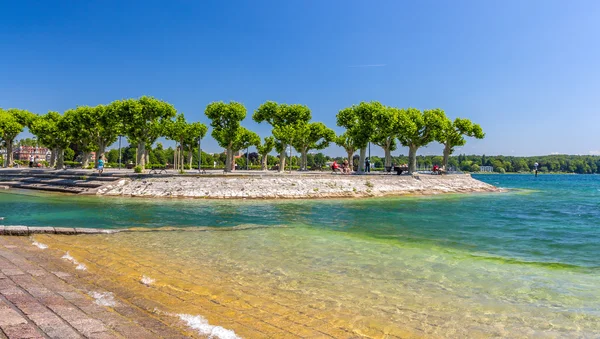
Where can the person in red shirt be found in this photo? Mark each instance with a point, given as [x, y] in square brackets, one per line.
[335, 167]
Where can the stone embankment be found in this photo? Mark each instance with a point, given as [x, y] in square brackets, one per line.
[71, 181]
[292, 186]
[29, 230]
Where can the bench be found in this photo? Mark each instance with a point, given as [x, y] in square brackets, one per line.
[400, 169]
[158, 170]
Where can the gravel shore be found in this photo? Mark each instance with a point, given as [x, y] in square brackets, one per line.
[294, 186]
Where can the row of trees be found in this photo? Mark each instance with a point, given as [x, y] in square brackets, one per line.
[144, 120]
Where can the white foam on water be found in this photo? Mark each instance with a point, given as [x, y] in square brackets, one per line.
[79, 266]
[147, 280]
[40, 245]
[104, 299]
[68, 257]
[201, 325]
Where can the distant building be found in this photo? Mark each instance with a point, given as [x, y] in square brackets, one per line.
[486, 168]
[25, 152]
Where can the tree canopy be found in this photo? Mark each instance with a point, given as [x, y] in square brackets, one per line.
[143, 121]
[418, 130]
[452, 134]
[12, 122]
[286, 120]
[314, 135]
[226, 123]
[358, 121]
[264, 149]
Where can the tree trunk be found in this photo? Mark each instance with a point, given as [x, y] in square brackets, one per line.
[191, 157]
[141, 154]
[228, 160]
[412, 158]
[232, 161]
[447, 151]
[265, 157]
[350, 156]
[53, 153]
[100, 153]
[60, 158]
[361, 160]
[9, 153]
[303, 160]
[388, 156]
[85, 159]
[282, 159]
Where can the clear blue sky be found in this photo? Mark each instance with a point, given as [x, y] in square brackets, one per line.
[527, 71]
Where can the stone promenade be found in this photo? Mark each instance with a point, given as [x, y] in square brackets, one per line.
[41, 297]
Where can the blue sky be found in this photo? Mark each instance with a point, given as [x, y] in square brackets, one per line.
[527, 71]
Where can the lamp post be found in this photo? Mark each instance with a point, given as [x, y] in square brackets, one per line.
[247, 152]
[290, 159]
[200, 154]
[119, 152]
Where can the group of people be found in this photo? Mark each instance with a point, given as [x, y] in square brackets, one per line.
[344, 168]
[33, 162]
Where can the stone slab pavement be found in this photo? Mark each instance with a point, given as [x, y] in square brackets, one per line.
[40, 297]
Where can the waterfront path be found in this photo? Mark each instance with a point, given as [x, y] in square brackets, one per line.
[41, 298]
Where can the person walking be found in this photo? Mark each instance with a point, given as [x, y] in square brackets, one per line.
[367, 165]
[100, 165]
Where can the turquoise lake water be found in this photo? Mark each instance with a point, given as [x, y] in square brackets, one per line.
[521, 263]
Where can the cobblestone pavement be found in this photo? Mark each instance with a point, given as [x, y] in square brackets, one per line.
[41, 297]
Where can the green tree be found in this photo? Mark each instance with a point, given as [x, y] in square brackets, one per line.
[320, 160]
[195, 131]
[245, 139]
[112, 156]
[418, 130]
[264, 149]
[358, 121]
[12, 122]
[347, 143]
[108, 125]
[177, 130]
[143, 121]
[25, 142]
[286, 120]
[314, 135]
[80, 124]
[386, 121]
[226, 123]
[52, 131]
[452, 134]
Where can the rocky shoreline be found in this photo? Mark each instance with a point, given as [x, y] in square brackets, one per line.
[293, 186]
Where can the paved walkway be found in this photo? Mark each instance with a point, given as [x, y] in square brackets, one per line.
[39, 298]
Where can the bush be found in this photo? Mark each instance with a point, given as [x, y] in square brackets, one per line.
[72, 163]
[138, 169]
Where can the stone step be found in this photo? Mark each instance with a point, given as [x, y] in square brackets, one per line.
[62, 176]
[64, 182]
[53, 188]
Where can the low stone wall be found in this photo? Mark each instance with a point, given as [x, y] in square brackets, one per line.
[294, 186]
[27, 230]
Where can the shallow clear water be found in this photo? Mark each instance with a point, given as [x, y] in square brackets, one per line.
[521, 263]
